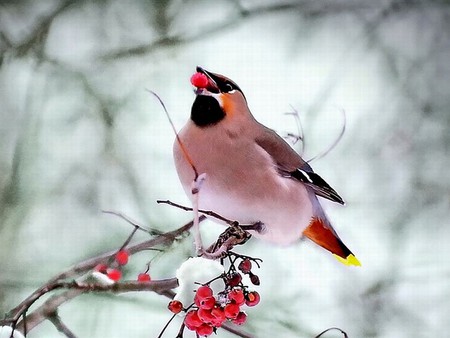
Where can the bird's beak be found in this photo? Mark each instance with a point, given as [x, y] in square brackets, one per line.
[212, 80]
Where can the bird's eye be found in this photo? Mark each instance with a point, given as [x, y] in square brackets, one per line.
[228, 87]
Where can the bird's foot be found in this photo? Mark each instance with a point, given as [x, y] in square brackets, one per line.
[232, 236]
[259, 227]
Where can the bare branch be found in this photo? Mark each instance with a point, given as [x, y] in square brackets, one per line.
[335, 142]
[59, 324]
[133, 223]
[205, 212]
[182, 147]
[230, 327]
[304, 8]
[74, 289]
[35, 41]
[331, 329]
[87, 265]
[300, 133]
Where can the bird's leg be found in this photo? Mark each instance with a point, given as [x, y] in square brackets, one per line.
[196, 185]
[232, 236]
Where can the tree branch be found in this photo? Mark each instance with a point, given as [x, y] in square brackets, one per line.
[74, 289]
[205, 212]
[59, 324]
[81, 268]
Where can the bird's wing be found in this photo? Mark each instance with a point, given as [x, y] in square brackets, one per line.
[290, 164]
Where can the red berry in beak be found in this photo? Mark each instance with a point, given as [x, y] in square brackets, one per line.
[199, 80]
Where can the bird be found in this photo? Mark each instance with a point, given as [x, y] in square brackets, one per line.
[253, 176]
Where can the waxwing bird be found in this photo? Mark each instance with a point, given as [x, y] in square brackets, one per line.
[253, 175]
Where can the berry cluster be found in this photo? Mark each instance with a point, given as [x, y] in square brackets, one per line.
[245, 266]
[209, 311]
[113, 270]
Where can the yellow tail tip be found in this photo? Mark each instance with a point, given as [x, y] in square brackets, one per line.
[349, 260]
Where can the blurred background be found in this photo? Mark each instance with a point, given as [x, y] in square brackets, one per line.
[80, 133]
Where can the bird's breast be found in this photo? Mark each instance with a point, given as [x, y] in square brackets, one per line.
[242, 182]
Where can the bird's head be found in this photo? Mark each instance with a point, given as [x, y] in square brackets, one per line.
[217, 98]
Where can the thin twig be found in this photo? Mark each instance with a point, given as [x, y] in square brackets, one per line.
[331, 329]
[167, 325]
[180, 332]
[183, 149]
[335, 142]
[196, 183]
[298, 122]
[236, 330]
[307, 8]
[205, 212]
[136, 227]
[133, 223]
[59, 324]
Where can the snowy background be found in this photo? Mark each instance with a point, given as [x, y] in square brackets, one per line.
[79, 133]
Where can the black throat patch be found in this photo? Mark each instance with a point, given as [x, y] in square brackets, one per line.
[206, 111]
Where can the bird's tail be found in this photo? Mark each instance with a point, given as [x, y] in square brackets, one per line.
[324, 235]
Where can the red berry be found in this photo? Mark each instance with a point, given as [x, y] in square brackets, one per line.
[204, 291]
[192, 321]
[240, 319]
[114, 274]
[175, 306]
[207, 303]
[204, 330]
[231, 310]
[122, 257]
[219, 316]
[101, 268]
[199, 80]
[205, 315]
[237, 295]
[234, 279]
[245, 266]
[197, 301]
[144, 277]
[252, 298]
[254, 279]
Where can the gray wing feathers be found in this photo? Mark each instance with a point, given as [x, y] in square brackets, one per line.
[284, 156]
[290, 164]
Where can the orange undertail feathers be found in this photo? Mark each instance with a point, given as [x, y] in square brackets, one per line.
[324, 236]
